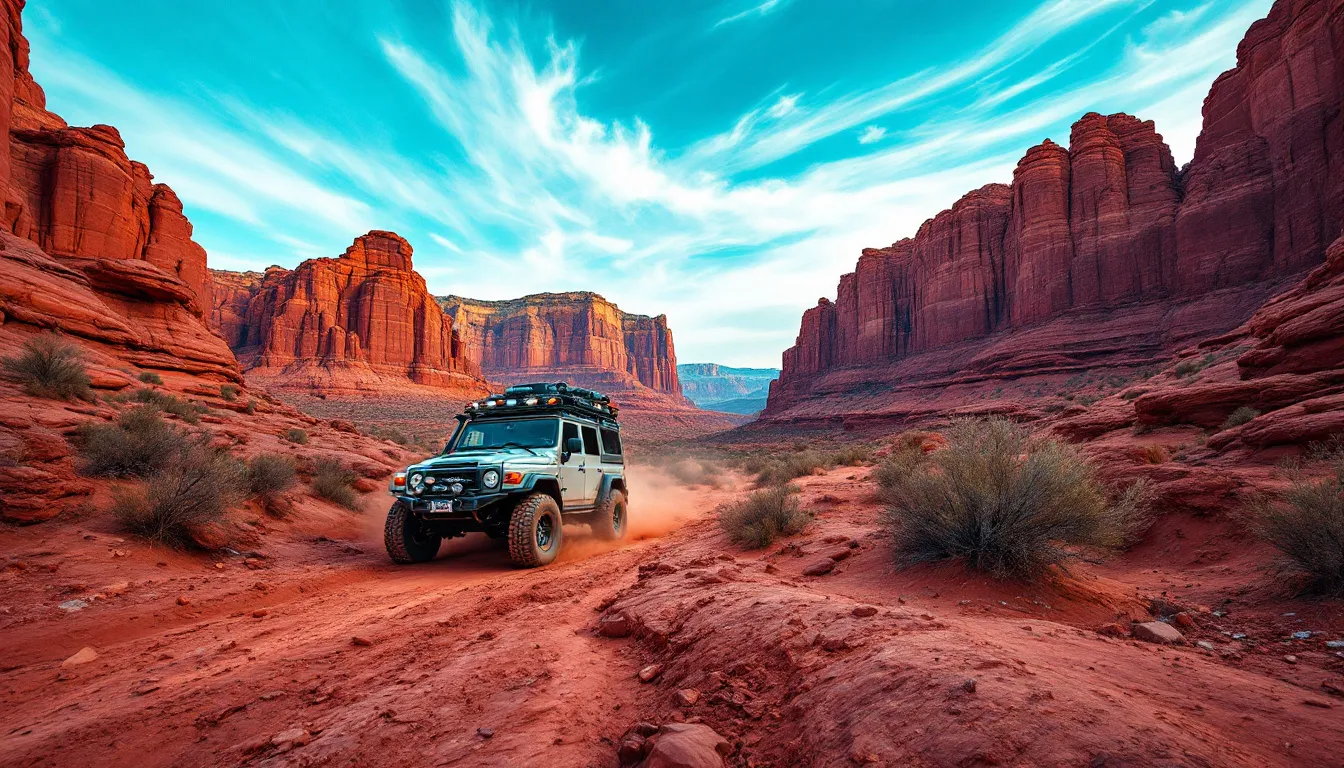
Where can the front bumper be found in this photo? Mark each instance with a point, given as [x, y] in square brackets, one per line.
[464, 507]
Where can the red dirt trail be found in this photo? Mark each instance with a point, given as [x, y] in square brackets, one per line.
[468, 661]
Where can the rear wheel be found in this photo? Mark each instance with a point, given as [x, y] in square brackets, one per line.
[535, 531]
[609, 521]
[408, 538]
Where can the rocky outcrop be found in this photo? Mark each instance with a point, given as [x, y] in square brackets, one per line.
[95, 248]
[577, 337]
[1104, 252]
[711, 383]
[362, 321]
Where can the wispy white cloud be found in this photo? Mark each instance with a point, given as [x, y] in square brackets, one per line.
[872, 134]
[761, 9]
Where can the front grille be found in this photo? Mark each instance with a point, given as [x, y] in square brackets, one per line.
[444, 477]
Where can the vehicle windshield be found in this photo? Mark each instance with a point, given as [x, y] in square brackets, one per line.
[528, 433]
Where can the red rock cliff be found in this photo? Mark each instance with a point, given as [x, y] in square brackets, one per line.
[1108, 224]
[94, 247]
[578, 337]
[364, 320]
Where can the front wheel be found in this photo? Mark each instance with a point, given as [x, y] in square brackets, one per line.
[409, 539]
[609, 521]
[535, 531]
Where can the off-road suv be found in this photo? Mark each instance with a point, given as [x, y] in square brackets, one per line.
[519, 466]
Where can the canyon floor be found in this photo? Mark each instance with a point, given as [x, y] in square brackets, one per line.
[315, 650]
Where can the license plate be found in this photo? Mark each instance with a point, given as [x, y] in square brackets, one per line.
[441, 505]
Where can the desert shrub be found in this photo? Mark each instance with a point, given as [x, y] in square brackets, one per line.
[1006, 503]
[1155, 454]
[269, 474]
[764, 516]
[778, 471]
[1239, 417]
[1087, 400]
[1133, 394]
[852, 456]
[168, 403]
[335, 482]
[893, 470]
[150, 377]
[251, 407]
[197, 487]
[297, 436]
[1186, 368]
[49, 367]
[137, 444]
[228, 392]
[1306, 525]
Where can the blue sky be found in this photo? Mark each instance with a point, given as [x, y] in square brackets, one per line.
[720, 162]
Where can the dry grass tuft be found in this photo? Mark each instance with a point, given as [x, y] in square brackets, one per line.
[764, 516]
[50, 367]
[196, 488]
[335, 482]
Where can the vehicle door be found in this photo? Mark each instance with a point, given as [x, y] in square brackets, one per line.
[613, 463]
[573, 473]
[593, 468]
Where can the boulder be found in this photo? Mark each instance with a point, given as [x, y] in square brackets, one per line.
[1158, 632]
[685, 745]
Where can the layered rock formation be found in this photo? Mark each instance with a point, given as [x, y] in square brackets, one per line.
[577, 337]
[1104, 253]
[723, 388]
[93, 246]
[362, 321]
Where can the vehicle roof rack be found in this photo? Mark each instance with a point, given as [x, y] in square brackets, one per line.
[544, 398]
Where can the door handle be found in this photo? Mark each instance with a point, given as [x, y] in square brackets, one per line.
[583, 469]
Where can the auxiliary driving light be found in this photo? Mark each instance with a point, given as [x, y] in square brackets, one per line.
[456, 488]
[490, 478]
[530, 401]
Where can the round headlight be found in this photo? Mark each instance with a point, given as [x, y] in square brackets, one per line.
[455, 488]
[429, 480]
[490, 478]
[416, 484]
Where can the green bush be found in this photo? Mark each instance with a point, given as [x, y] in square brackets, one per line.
[297, 436]
[1306, 525]
[138, 444]
[765, 515]
[269, 474]
[150, 377]
[185, 410]
[335, 482]
[1006, 503]
[228, 392]
[1239, 417]
[196, 488]
[49, 367]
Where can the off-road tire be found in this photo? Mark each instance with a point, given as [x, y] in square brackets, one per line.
[407, 539]
[611, 520]
[531, 512]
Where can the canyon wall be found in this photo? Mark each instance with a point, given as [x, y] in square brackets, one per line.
[92, 246]
[1104, 252]
[362, 321]
[578, 337]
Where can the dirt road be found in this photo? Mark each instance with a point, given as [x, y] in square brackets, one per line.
[322, 653]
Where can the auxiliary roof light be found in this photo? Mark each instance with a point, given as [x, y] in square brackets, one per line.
[530, 401]
[510, 402]
[552, 400]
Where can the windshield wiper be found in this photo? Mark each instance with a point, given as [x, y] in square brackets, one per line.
[520, 445]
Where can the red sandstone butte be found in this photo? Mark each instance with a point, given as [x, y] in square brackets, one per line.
[578, 337]
[1103, 253]
[364, 320]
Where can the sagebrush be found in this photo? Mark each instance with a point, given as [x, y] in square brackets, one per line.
[1306, 524]
[335, 482]
[1006, 503]
[50, 367]
[270, 473]
[137, 444]
[194, 489]
[764, 516]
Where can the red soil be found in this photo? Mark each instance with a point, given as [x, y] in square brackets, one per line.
[784, 666]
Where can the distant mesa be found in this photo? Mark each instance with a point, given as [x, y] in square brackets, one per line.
[1101, 254]
[363, 321]
[578, 337]
[722, 388]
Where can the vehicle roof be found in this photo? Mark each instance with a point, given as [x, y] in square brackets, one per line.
[544, 413]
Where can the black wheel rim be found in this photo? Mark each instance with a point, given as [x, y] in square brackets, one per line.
[618, 517]
[421, 534]
[545, 532]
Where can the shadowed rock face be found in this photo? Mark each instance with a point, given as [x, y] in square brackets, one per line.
[1089, 238]
[363, 320]
[577, 337]
[92, 246]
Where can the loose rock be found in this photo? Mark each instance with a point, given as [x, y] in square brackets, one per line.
[1158, 632]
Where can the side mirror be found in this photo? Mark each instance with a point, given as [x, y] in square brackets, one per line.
[573, 445]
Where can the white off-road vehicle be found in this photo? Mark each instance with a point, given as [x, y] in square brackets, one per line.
[519, 466]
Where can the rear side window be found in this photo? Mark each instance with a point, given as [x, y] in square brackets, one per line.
[611, 441]
[590, 441]
[571, 430]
